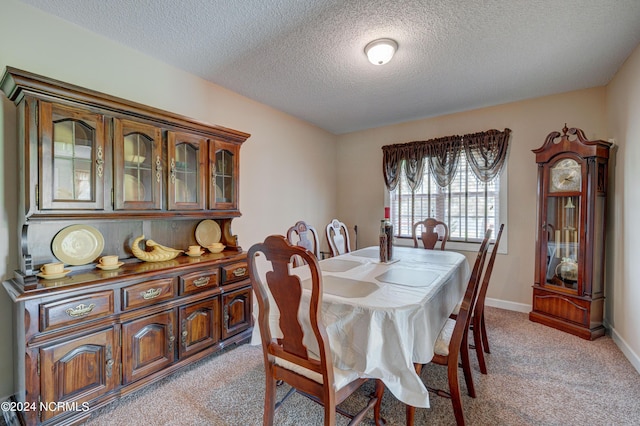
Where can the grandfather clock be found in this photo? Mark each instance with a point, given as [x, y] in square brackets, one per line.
[568, 289]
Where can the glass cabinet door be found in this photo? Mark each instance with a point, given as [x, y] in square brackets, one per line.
[138, 166]
[72, 169]
[223, 189]
[563, 242]
[187, 167]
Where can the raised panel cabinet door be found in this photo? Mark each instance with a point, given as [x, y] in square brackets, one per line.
[72, 169]
[78, 370]
[137, 151]
[224, 163]
[236, 315]
[148, 345]
[187, 163]
[199, 326]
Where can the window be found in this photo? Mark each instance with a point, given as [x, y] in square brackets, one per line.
[467, 206]
[455, 179]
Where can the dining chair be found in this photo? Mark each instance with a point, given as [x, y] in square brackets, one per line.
[434, 231]
[306, 236]
[480, 339]
[338, 238]
[286, 357]
[478, 327]
[451, 344]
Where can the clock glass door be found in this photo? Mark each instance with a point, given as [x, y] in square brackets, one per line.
[563, 241]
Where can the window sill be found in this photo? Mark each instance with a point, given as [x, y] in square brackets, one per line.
[455, 245]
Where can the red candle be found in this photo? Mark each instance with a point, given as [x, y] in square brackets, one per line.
[387, 212]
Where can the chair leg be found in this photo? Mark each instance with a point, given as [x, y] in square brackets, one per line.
[329, 414]
[477, 342]
[466, 365]
[411, 410]
[269, 401]
[454, 391]
[376, 408]
[485, 339]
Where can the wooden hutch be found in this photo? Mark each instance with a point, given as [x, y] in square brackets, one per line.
[113, 170]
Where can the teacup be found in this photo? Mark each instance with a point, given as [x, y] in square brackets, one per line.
[109, 260]
[52, 268]
[194, 250]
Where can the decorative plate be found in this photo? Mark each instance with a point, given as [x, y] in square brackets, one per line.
[208, 232]
[78, 244]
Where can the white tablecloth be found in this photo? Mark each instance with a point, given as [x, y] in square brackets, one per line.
[381, 318]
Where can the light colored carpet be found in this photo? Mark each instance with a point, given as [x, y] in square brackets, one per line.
[537, 376]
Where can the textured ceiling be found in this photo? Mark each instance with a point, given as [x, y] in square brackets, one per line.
[307, 57]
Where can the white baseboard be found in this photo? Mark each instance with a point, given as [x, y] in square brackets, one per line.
[633, 357]
[509, 306]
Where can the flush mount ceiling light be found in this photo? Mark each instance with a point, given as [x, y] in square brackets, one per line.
[381, 51]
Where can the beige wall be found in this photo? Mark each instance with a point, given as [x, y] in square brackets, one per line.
[288, 166]
[623, 275]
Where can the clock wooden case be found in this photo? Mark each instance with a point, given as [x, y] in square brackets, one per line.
[568, 289]
[121, 169]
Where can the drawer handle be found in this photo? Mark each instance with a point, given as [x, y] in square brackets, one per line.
[240, 272]
[80, 310]
[152, 293]
[202, 281]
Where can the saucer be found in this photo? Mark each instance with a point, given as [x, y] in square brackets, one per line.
[53, 276]
[195, 254]
[109, 267]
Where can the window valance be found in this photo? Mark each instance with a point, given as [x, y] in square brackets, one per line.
[486, 153]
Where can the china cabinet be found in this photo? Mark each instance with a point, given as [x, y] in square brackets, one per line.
[100, 172]
[568, 290]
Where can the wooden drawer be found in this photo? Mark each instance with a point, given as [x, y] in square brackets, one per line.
[198, 281]
[234, 272]
[148, 293]
[76, 310]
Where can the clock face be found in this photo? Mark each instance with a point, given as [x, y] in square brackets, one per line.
[566, 175]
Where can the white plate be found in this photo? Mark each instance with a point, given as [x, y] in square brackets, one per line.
[78, 244]
[208, 232]
[133, 189]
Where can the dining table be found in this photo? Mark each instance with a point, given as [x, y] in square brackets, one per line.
[382, 317]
